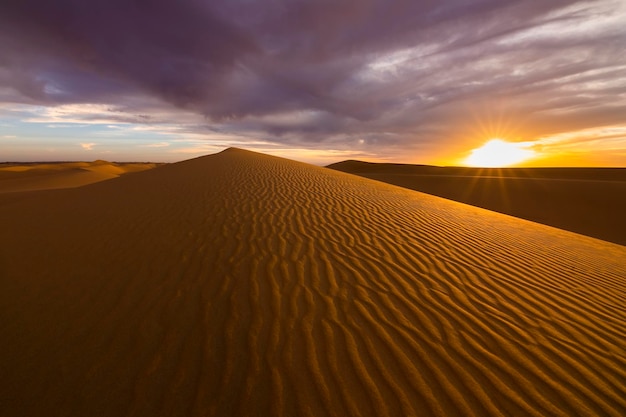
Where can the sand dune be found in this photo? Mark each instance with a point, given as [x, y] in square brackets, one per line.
[589, 201]
[240, 284]
[48, 176]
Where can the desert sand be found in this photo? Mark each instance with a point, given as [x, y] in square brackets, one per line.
[240, 284]
[589, 201]
[47, 176]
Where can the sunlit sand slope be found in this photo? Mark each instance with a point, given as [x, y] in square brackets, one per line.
[240, 284]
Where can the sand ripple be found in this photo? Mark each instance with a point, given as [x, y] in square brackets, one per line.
[240, 284]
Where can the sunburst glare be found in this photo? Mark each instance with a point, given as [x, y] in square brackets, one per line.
[499, 153]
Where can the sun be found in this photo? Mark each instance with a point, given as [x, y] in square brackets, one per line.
[499, 153]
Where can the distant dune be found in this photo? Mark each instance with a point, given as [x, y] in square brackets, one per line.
[240, 284]
[47, 176]
[590, 201]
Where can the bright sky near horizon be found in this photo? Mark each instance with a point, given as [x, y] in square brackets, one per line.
[319, 81]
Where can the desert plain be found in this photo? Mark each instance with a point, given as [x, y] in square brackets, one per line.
[16, 177]
[241, 284]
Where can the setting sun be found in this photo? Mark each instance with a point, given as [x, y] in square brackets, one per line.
[498, 153]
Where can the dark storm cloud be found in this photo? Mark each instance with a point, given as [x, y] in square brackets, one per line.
[374, 69]
[175, 50]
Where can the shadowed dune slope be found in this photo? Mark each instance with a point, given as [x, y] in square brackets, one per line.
[589, 201]
[240, 284]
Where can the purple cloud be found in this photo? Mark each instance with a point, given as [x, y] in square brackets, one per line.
[399, 73]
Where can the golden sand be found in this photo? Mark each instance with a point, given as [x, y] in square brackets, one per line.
[240, 284]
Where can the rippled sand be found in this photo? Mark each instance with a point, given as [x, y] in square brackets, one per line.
[240, 284]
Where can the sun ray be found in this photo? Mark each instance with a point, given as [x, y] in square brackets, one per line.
[499, 153]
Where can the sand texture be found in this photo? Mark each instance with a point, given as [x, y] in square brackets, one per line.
[589, 201]
[48, 176]
[240, 284]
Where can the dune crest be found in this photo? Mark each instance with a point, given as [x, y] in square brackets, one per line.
[240, 284]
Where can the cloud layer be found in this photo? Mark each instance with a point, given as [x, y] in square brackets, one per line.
[390, 75]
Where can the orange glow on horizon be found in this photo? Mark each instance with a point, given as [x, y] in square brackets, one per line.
[499, 153]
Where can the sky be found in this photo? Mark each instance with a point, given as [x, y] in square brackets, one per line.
[319, 81]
